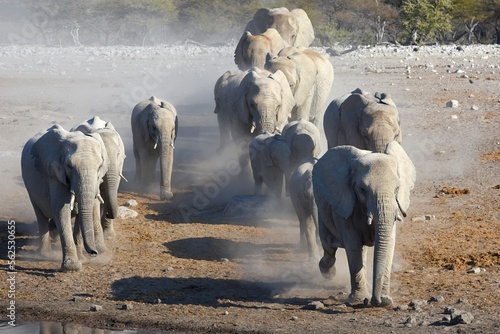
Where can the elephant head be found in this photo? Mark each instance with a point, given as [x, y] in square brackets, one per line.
[367, 192]
[303, 137]
[74, 165]
[252, 50]
[294, 26]
[270, 161]
[368, 121]
[264, 100]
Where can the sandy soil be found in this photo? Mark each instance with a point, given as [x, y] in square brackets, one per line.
[186, 265]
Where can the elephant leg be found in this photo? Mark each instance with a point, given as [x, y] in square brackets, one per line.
[329, 242]
[108, 228]
[276, 184]
[98, 230]
[327, 262]
[149, 170]
[259, 189]
[224, 129]
[138, 164]
[310, 235]
[43, 232]
[356, 257]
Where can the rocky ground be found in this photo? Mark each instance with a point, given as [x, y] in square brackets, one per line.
[191, 265]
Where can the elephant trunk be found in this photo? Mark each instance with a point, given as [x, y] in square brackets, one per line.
[86, 197]
[381, 138]
[385, 238]
[166, 163]
[110, 184]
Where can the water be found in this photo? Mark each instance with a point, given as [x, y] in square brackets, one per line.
[46, 327]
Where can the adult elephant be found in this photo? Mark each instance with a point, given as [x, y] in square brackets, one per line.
[252, 50]
[310, 75]
[366, 121]
[262, 102]
[294, 26]
[304, 204]
[303, 138]
[58, 168]
[360, 195]
[270, 160]
[111, 181]
[154, 130]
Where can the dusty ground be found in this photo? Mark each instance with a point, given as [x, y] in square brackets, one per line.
[185, 266]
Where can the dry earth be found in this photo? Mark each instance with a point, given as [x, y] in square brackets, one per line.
[186, 265]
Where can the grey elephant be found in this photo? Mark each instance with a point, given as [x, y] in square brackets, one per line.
[304, 204]
[224, 95]
[60, 168]
[360, 195]
[270, 159]
[252, 50]
[294, 26]
[111, 182]
[310, 76]
[154, 130]
[366, 121]
[262, 102]
[303, 138]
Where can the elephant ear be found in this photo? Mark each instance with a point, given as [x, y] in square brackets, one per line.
[287, 99]
[384, 98]
[305, 30]
[277, 42]
[406, 172]
[240, 102]
[239, 59]
[46, 152]
[350, 112]
[332, 178]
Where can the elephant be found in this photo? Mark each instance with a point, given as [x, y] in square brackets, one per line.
[224, 91]
[116, 155]
[303, 138]
[304, 204]
[154, 130]
[260, 103]
[360, 195]
[252, 50]
[270, 159]
[294, 26]
[58, 168]
[310, 75]
[366, 121]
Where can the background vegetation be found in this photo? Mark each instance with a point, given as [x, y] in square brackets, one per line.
[149, 22]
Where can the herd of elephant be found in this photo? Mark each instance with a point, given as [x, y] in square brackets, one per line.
[272, 108]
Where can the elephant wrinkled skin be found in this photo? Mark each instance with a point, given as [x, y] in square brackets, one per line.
[360, 195]
[154, 130]
[252, 50]
[60, 168]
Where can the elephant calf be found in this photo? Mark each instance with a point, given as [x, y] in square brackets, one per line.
[269, 158]
[304, 204]
[303, 138]
[360, 195]
[154, 130]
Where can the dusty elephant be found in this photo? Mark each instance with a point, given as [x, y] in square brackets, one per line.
[360, 195]
[310, 76]
[58, 168]
[303, 138]
[366, 121]
[294, 26]
[262, 102]
[111, 182]
[154, 130]
[252, 50]
[270, 159]
[304, 204]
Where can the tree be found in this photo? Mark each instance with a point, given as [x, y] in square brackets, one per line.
[424, 20]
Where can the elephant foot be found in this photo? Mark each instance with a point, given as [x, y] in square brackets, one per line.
[165, 194]
[70, 264]
[384, 301]
[101, 248]
[327, 267]
[109, 233]
[358, 297]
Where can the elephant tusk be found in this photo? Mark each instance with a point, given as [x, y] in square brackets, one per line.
[398, 217]
[369, 220]
[172, 144]
[252, 129]
[156, 144]
[99, 197]
[72, 202]
[123, 177]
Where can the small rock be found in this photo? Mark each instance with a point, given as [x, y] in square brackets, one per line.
[410, 321]
[402, 308]
[95, 308]
[316, 305]
[474, 107]
[448, 310]
[417, 304]
[158, 301]
[464, 318]
[452, 104]
[225, 313]
[424, 217]
[224, 260]
[126, 307]
[462, 301]
[77, 299]
[126, 213]
[130, 202]
[169, 268]
[437, 299]
[294, 318]
[454, 117]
